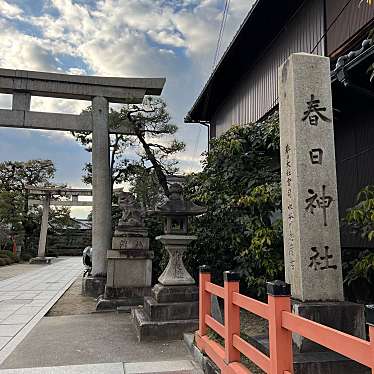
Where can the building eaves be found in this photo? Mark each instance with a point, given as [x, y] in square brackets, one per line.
[259, 28]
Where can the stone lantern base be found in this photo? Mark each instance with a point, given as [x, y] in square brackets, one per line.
[173, 308]
[168, 313]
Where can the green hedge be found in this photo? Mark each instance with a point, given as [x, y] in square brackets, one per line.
[7, 258]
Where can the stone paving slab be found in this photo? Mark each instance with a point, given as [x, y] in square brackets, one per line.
[26, 298]
[13, 270]
[157, 367]
[116, 368]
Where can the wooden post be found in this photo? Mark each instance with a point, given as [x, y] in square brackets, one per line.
[280, 339]
[232, 316]
[369, 309]
[204, 298]
[371, 335]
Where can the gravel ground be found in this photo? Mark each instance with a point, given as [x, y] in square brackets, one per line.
[73, 303]
[252, 325]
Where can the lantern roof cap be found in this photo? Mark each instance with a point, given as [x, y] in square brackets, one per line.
[177, 205]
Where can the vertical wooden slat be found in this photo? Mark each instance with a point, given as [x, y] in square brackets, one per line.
[232, 316]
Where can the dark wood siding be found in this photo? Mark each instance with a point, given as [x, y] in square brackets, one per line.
[352, 19]
[354, 147]
[257, 92]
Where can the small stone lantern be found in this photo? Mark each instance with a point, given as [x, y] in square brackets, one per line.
[176, 212]
[173, 308]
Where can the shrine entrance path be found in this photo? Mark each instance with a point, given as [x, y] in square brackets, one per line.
[26, 298]
[13, 270]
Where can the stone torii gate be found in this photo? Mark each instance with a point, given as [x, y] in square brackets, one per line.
[100, 91]
[47, 200]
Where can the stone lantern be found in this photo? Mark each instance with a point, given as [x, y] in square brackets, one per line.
[173, 307]
[176, 239]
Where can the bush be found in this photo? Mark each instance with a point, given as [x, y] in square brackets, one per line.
[26, 256]
[3, 261]
[52, 253]
[240, 187]
[358, 265]
[10, 254]
[8, 260]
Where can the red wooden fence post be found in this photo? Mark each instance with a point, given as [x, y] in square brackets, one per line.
[370, 321]
[232, 316]
[280, 339]
[204, 298]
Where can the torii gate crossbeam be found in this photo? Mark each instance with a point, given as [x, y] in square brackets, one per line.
[100, 91]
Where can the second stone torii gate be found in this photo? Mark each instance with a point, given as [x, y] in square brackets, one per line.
[100, 91]
[46, 199]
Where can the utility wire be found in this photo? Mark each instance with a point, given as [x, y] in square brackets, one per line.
[331, 25]
[216, 55]
[323, 36]
[221, 32]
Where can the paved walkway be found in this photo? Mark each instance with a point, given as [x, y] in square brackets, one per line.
[26, 298]
[172, 367]
[13, 270]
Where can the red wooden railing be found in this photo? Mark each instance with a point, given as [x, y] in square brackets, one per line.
[282, 323]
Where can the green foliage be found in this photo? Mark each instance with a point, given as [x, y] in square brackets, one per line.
[154, 225]
[358, 266]
[8, 258]
[240, 187]
[361, 216]
[145, 186]
[15, 213]
[150, 145]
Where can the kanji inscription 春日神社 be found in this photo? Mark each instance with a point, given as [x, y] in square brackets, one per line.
[309, 193]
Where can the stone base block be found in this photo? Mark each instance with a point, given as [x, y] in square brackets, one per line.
[175, 294]
[129, 272]
[115, 298]
[148, 330]
[127, 292]
[343, 316]
[93, 286]
[104, 304]
[170, 311]
[41, 260]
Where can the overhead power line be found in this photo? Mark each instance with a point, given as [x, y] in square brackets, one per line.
[221, 32]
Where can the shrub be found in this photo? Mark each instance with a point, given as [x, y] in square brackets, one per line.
[8, 260]
[358, 266]
[10, 255]
[240, 187]
[26, 256]
[3, 261]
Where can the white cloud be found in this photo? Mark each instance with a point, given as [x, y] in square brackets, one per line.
[172, 38]
[9, 10]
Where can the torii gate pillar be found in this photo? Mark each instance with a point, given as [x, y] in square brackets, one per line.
[101, 187]
[23, 84]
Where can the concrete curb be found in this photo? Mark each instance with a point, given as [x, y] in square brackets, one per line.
[203, 361]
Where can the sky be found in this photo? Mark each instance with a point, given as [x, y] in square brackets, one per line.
[175, 39]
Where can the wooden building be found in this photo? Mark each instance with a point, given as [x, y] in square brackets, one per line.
[243, 87]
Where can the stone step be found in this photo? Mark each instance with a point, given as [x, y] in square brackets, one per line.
[148, 330]
[170, 311]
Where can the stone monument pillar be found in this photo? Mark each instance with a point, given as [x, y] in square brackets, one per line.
[310, 202]
[129, 273]
[173, 307]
